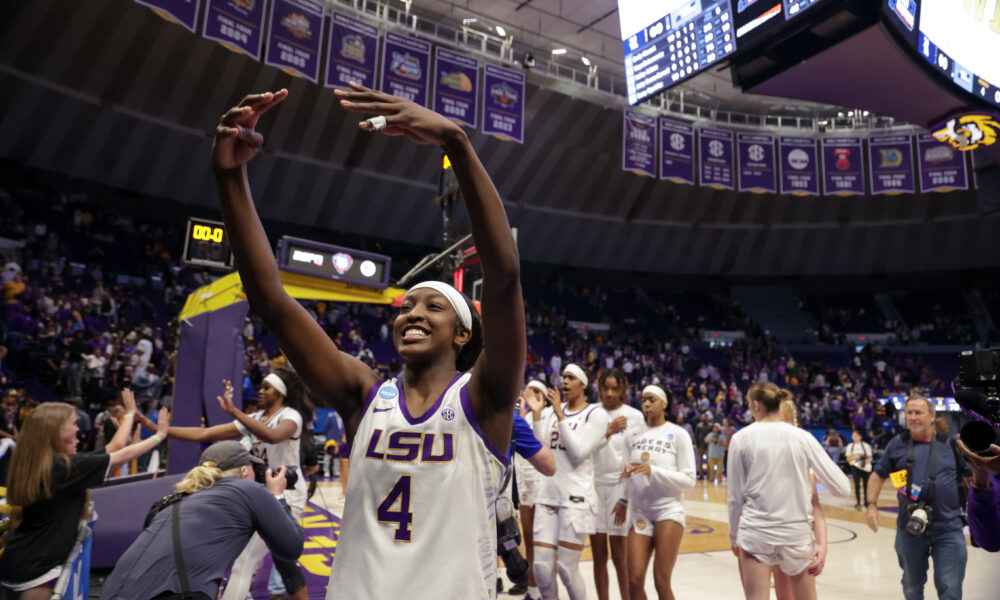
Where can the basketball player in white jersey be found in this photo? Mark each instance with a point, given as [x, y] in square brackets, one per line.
[428, 450]
[528, 480]
[660, 467]
[624, 423]
[565, 503]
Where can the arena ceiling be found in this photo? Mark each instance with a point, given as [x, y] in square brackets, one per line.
[111, 93]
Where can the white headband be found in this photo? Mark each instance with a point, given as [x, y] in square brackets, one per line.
[577, 372]
[278, 385]
[455, 298]
[537, 385]
[656, 391]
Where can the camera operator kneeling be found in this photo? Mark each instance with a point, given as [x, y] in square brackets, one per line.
[193, 536]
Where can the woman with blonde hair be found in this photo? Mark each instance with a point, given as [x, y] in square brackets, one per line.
[770, 496]
[47, 486]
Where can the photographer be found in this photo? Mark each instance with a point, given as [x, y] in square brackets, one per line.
[927, 471]
[195, 535]
[984, 499]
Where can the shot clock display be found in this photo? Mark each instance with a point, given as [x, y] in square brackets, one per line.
[206, 245]
[333, 262]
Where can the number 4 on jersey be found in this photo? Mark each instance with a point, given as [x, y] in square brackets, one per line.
[402, 516]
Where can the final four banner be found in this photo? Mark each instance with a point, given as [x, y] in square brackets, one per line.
[942, 168]
[352, 53]
[715, 149]
[503, 103]
[756, 153]
[843, 166]
[182, 12]
[799, 166]
[295, 37]
[406, 65]
[676, 151]
[236, 24]
[639, 143]
[890, 163]
[456, 79]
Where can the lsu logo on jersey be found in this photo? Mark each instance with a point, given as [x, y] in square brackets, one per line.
[968, 132]
[410, 446]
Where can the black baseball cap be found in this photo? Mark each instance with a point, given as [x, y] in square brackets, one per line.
[228, 455]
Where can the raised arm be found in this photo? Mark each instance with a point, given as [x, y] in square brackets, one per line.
[216, 433]
[580, 443]
[126, 454]
[499, 372]
[125, 426]
[333, 376]
[270, 435]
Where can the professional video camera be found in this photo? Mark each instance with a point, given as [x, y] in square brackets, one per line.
[260, 474]
[979, 379]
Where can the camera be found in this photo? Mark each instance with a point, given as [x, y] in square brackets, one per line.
[260, 474]
[919, 518]
[979, 378]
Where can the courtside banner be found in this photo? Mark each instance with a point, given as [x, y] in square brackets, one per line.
[942, 168]
[676, 151]
[756, 152]
[456, 80]
[181, 12]
[799, 166]
[890, 164]
[236, 24]
[639, 143]
[295, 37]
[352, 54]
[503, 103]
[843, 166]
[715, 150]
[406, 66]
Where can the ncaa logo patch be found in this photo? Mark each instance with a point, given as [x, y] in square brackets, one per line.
[447, 414]
[670, 436]
[388, 392]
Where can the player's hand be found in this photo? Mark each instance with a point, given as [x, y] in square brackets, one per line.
[618, 424]
[736, 551]
[872, 517]
[128, 400]
[555, 399]
[163, 423]
[619, 512]
[275, 481]
[535, 402]
[625, 474]
[817, 561]
[235, 141]
[982, 466]
[402, 117]
[639, 468]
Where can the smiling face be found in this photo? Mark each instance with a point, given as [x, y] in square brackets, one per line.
[268, 396]
[427, 327]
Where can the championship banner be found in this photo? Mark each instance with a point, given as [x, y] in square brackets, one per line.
[942, 167]
[799, 166]
[406, 65]
[638, 143]
[756, 152]
[181, 12]
[843, 166]
[503, 103]
[295, 37]
[456, 79]
[890, 164]
[236, 24]
[676, 151]
[715, 150]
[352, 53]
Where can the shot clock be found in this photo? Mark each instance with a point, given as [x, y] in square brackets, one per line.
[206, 245]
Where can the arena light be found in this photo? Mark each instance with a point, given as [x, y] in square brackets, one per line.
[467, 22]
[501, 31]
[558, 51]
[585, 60]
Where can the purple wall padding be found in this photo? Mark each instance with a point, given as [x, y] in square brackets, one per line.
[120, 512]
[210, 349]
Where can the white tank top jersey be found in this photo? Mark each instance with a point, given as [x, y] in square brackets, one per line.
[282, 454]
[670, 454]
[419, 520]
[610, 457]
[572, 485]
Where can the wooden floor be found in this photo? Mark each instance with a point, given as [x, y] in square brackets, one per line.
[860, 564]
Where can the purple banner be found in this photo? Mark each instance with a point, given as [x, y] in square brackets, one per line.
[182, 12]
[715, 149]
[676, 151]
[456, 81]
[799, 166]
[942, 168]
[406, 65]
[503, 103]
[352, 52]
[295, 37]
[639, 143]
[756, 152]
[890, 164]
[236, 24]
[843, 166]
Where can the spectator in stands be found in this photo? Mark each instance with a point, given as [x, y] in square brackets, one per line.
[834, 444]
[47, 485]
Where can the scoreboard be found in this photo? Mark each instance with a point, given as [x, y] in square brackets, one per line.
[206, 245]
[333, 262]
